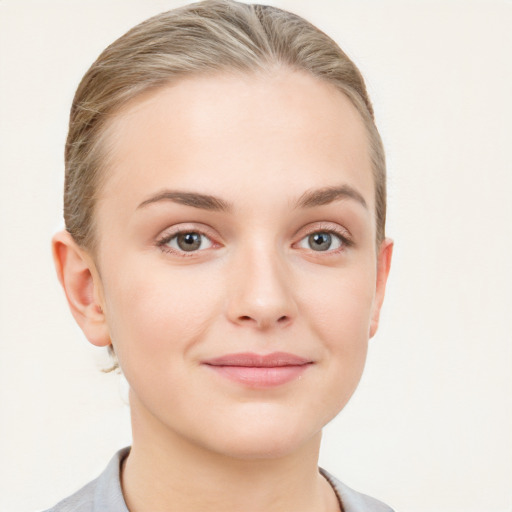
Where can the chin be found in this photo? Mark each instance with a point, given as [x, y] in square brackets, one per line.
[262, 439]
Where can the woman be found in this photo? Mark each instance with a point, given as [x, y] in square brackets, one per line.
[225, 212]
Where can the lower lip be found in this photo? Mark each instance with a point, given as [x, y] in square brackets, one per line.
[261, 377]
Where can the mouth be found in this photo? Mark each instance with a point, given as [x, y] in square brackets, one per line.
[259, 371]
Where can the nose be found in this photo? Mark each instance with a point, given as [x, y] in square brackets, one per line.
[261, 291]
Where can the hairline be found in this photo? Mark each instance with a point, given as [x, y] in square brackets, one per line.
[103, 149]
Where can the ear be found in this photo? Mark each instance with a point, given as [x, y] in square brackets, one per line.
[383, 266]
[82, 285]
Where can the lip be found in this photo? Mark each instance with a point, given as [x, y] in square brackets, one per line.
[257, 370]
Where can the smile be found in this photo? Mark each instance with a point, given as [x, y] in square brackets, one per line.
[259, 371]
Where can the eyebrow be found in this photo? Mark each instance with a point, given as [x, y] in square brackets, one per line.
[202, 201]
[327, 195]
[309, 199]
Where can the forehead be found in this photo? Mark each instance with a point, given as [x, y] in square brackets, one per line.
[218, 134]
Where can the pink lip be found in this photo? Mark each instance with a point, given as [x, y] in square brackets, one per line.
[260, 371]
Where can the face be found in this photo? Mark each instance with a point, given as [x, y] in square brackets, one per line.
[238, 272]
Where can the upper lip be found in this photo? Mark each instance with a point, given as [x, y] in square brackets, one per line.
[257, 360]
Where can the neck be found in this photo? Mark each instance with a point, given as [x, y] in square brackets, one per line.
[166, 472]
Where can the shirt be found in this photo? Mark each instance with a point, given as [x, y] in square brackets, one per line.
[104, 494]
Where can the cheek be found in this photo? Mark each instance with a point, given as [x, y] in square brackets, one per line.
[340, 316]
[158, 314]
[340, 311]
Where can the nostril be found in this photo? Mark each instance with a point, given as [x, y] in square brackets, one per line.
[247, 318]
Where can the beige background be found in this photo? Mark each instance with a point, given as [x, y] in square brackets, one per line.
[430, 428]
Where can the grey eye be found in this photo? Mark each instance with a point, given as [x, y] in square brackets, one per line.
[321, 241]
[189, 241]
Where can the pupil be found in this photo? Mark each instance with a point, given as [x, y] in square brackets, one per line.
[320, 241]
[189, 241]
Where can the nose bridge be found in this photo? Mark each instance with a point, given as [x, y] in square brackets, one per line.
[261, 294]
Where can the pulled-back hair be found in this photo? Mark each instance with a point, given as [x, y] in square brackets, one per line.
[205, 37]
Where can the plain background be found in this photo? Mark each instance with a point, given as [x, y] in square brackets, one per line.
[430, 427]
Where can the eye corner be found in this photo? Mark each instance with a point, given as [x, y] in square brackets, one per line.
[186, 241]
[326, 240]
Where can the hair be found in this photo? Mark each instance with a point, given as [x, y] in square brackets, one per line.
[205, 37]
[201, 38]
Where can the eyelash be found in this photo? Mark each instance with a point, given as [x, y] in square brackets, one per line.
[342, 236]
[344, 242]
[167, 238]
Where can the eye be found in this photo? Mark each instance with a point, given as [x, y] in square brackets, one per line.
[187, 241]
[321, 241]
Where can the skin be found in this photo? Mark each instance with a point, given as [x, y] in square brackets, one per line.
[259, 144]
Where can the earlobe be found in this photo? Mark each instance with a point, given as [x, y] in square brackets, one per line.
[81, 283]
[383, 266]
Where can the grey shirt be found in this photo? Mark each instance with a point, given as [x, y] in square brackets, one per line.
[104, 494]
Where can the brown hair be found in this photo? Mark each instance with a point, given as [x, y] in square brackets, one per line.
[205, 37]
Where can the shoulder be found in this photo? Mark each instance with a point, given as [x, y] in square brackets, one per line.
[80, 501]
[353, 501]
[101, 495]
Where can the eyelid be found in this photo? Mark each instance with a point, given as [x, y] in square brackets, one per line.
[167, 235]
[326, 227]
[189, 227]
